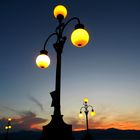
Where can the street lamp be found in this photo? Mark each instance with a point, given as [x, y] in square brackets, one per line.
[79, 37]
[86, 111]
[7, 127]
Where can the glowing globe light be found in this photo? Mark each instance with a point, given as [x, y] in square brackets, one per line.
[6, 127]
[43, 61]
[86, 100]
[9, 119]
[80, 115]
[9, 126]
[60, 10]
[92, 113]
[79, 37]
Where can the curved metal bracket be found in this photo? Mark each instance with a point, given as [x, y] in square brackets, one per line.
[60, 29]
[74, 18]
[49, 38]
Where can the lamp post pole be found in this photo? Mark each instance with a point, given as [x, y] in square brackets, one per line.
[58, 48]
[86, 111]
[57, 128]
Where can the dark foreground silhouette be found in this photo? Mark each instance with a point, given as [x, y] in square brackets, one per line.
[109, 134]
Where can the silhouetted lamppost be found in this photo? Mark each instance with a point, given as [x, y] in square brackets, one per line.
[86, 111]
[8, 127]
[57, 128]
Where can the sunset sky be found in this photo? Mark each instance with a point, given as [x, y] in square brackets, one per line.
[107, 70]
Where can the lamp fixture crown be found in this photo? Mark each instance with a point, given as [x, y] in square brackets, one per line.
[44, 52]
[77, 26]
[60, 17]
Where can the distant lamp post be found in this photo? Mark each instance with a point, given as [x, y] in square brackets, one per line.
[86, 111]
[57, 128]
[7, 128]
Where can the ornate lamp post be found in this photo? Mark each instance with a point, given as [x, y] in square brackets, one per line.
[7, 127]
[57, 128]
[86, 111]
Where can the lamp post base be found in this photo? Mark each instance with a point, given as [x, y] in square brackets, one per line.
[57, 129]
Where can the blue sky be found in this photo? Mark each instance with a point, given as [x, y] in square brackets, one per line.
[107, 70]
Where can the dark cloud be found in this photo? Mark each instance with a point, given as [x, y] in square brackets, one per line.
[36, 102]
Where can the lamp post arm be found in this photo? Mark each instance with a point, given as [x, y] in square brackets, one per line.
[90, 106]
[86, 113]
[64, 25]
[49, 38]
[82, 108]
